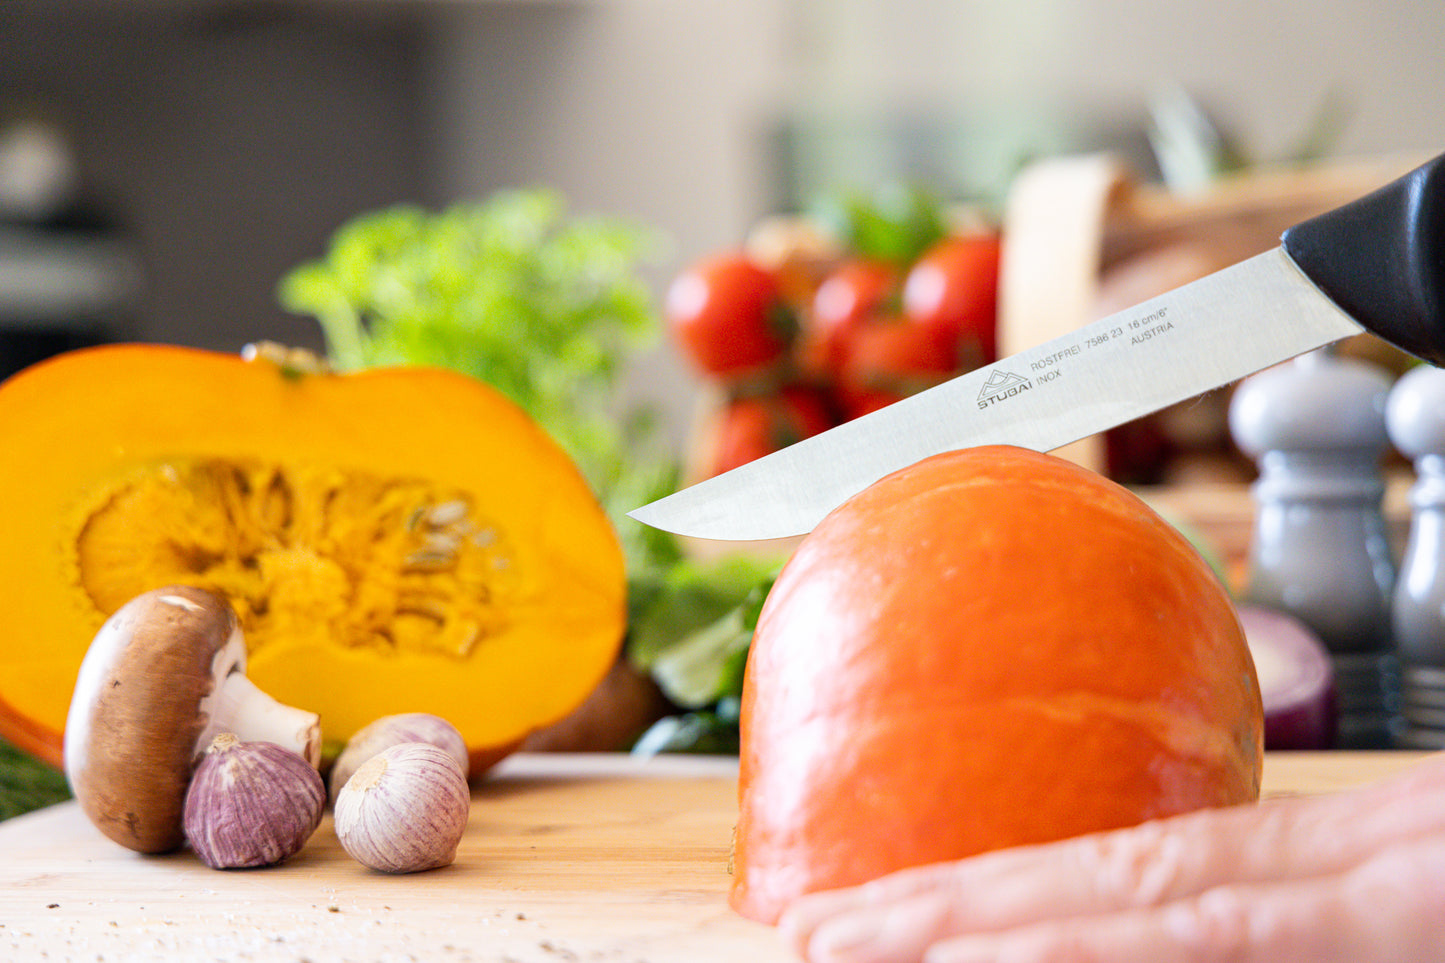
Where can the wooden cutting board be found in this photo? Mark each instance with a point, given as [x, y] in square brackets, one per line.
[588, 858]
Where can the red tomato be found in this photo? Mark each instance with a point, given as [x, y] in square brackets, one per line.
[753, 426]
[728, 316]
[856, 293]
[889, 359]
[952, 291]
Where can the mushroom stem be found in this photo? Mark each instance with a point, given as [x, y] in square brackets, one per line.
[238, 706]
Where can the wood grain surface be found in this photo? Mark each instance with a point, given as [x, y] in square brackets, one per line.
[593, 858]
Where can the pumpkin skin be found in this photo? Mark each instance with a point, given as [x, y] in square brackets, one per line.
[990, 648]
[394, 540]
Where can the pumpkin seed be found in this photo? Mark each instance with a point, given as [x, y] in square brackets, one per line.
[447, 513]
[441, 543]
[428, 560]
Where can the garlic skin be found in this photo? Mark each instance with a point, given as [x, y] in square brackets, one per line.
[391, 731]
[404, 810]
[251, 804]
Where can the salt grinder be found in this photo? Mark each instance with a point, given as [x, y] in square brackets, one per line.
[1415, 416]
[1320, 551]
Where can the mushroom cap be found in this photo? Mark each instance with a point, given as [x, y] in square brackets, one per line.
[138, 711]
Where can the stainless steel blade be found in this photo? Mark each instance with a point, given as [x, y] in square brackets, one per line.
[1181, 344]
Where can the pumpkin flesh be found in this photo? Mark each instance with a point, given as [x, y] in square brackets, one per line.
[991, 648]
[399, 539]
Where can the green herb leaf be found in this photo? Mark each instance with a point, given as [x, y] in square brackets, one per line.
[895, 223]
[694, 597]
[26, 783]
[708, 731]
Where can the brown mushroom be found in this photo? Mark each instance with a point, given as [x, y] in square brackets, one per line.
[164, 675]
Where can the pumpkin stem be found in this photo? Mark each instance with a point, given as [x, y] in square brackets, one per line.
[293, 362]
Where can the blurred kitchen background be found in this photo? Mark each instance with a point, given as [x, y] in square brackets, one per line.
[164, 162]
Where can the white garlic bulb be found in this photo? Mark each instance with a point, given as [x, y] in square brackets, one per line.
[391, 731]
[404, 810]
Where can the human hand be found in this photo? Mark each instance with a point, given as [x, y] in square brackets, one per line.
[1352, 877]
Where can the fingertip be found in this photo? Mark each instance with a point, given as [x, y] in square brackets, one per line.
[805, 914]
[893, 932]
[840, 939]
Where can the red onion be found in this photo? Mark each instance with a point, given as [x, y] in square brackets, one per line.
[1296, 679]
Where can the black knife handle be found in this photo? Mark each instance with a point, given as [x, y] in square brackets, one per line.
[1382, 259]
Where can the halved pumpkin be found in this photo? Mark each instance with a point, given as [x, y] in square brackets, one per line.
[398, 539]
[992, 647]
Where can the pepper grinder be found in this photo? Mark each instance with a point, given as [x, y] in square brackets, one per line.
[1315, 427]
[1415, 417]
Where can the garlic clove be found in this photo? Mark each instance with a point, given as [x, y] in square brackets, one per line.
[251, 804]
[404, 810]
[391, 731]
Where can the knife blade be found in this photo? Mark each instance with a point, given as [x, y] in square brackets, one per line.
[1376, 264]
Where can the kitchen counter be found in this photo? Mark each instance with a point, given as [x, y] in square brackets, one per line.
[581, 858]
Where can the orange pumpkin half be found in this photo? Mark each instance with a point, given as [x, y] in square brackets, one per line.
[990, 648]
[400, 539]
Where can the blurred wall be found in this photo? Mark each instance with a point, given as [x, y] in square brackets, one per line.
[667, 109]
[235, 135]
[226, 140]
